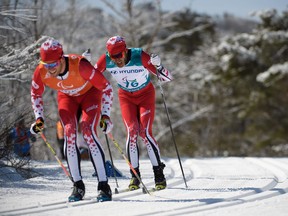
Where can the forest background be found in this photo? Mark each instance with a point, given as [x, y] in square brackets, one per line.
[228, 96]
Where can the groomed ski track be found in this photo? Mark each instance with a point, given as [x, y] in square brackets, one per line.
[213, 184]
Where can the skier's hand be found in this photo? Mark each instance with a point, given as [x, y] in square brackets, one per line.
[164, 75]
[37, 126]
[155, 60]
[87, 55]
[106, 124]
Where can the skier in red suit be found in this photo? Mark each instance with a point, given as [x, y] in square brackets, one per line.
[131, 68]
[79, 86]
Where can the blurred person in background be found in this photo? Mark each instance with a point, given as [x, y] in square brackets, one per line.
[20, 137]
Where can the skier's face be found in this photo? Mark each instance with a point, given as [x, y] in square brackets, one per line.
[54, 68]
[119, 59]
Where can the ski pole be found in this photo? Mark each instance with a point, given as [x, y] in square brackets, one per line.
[130, 165]
[169, 121]
[116, 191]
[54, 153]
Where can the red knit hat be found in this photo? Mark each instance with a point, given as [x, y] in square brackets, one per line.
[51, 51]
[115, 45]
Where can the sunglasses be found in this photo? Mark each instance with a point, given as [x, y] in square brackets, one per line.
[118, 55]
[51, 65]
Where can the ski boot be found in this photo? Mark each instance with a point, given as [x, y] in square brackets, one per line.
[160, 181]
[104, 192]
[134, 182]
[78, 192]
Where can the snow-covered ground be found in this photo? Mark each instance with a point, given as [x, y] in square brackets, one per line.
[216, 186]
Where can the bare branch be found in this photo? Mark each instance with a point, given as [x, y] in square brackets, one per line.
[19, 62]
[179, 34]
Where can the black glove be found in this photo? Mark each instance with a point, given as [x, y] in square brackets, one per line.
[37, 126]
[106, 124]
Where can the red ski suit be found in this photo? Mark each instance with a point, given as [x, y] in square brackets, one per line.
[137, 101]
[81, 87]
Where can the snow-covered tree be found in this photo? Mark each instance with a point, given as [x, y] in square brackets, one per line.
[251, 87]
